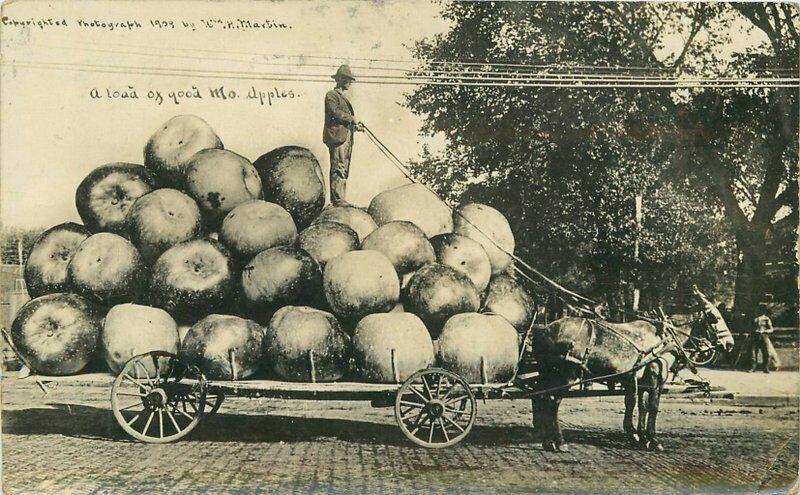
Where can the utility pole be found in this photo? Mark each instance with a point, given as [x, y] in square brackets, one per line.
[638, 224]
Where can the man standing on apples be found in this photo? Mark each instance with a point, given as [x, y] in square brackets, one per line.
[340, 123]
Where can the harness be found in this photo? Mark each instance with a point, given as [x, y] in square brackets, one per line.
[667, 332]
[583, 360]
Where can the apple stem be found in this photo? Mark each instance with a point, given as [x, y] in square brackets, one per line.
[313, 366]
[395, 371]
[232, 357]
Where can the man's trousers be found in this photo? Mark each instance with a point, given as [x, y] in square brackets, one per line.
[340, 169]
[759, 343]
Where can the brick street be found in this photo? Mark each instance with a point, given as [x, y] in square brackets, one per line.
[68, 442]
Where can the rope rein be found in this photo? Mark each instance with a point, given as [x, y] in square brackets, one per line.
[580, 300]
[408, 175]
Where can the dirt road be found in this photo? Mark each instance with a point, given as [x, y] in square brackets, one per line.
[68, 441]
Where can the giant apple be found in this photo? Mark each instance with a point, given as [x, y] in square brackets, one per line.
[507, 298]
[480, 348]
[326, 240]
[465, 255]
[160, 219]
[133, 329]
[306, 344]
[403, 243]
[255, 226]
[192, 278]
[46, 267]
[104, 197]
[171, 147]
[355, 218]
[221, 180]
[291, 177]
[436, 292]
[57, 334]
[358, 283]
[414, 203]
[390, 347]
[490, 229]
[224, 347]
[107, 267]
[279, 276]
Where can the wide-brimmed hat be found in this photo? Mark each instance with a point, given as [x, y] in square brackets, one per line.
[344, 72]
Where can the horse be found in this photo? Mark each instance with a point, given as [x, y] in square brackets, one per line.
[637, 355]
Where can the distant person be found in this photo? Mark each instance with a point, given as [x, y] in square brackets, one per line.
[759, 340]
[340, 123]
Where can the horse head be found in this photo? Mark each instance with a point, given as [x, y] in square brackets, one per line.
[710, 324]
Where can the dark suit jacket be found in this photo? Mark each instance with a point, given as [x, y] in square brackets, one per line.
[339, 118]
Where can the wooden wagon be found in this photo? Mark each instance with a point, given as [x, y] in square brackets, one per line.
[159, 398]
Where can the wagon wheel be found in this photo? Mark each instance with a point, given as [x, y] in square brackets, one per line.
[435, 408]
[157, 398]
[214, 399]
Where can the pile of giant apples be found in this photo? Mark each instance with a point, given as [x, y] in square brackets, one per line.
[237, 267]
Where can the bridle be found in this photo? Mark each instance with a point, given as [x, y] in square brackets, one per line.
[687, 353]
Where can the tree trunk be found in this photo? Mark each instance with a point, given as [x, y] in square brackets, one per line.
[750, 281]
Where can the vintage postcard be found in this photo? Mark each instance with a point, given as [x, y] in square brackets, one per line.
[422, 246]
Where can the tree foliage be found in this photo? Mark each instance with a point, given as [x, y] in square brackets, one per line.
[564, 165]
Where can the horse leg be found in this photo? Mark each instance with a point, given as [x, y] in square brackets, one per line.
[642, 406]
[652, 413]
[544, 421]
[536, 420]
[558, 438]
[630, 404]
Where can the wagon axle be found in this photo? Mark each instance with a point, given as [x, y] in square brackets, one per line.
[156, 399]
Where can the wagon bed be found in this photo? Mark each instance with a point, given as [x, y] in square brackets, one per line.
[157, 398]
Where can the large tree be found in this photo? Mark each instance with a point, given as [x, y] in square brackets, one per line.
[713, 165]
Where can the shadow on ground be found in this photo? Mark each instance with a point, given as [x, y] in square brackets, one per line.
[81, 421]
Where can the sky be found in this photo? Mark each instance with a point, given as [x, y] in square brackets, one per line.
[53, 133]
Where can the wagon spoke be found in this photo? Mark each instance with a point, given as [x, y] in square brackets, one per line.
[419, 394]
[418, 424]
[132, 394]
[449, 391]
[133, 419]
[409, 414]
[413, 405]
[146, 374]
[135, 381]
[456, 399]
[457, 412]
[445, 416]
[191, 418]
[160, 424]
[147, 425]
[183, 403]
[137, 403]
[444, 430]
[449, 406]
[427, 387]
[174, 422]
